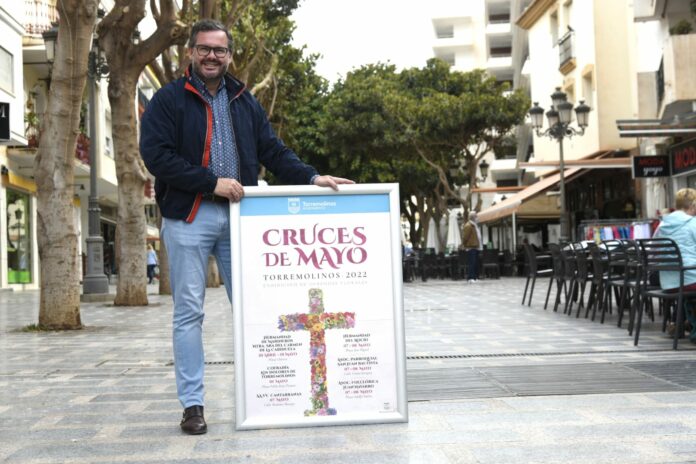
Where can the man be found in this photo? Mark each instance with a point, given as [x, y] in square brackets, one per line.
[203, 137]
[472, 243]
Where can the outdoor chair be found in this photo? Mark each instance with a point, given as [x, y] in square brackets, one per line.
[598, 260]
[428, 266]
[459, 267]
[508, 265]
[570, 270]
[614, 280]
[630, 290]
[489, 262]
[582, 275]
[663, 254]
[557, 277]
[533, 262]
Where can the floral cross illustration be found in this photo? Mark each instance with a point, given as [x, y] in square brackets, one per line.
[316, 322]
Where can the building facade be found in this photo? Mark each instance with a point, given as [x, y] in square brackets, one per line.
[23, 46]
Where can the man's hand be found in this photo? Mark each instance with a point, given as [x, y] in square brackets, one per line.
[330, 181]
[229, 188]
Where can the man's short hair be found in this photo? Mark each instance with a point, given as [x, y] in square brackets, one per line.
[685, 198]
[207, 25]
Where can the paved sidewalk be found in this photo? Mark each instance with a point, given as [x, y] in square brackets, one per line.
[490, 381]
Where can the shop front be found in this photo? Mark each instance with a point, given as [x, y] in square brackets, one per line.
[683, 161]
[18, 249]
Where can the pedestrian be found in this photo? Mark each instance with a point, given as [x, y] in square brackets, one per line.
[680, 226]
[151, 263]
[472, 243]
[204, 137]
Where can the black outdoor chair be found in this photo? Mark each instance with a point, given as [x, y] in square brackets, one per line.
[536, 266]
[598, 260]
[489, 262]
[659, 255]
[583, 273]
[614, 280]
[630, 290]
[558, 276]
[570, 270]
[428, 266]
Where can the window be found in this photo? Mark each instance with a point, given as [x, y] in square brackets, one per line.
[587, 91]
[6, 71]
[553, 24]
[108, 147]
[501, 52]
[18, 238]
[445, 32]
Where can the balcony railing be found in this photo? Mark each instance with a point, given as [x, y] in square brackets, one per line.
[566, 54]
[39, 14]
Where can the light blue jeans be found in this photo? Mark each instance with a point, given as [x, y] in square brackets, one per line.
[188, 248]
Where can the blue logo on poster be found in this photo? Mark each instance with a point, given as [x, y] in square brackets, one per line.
[293, 205]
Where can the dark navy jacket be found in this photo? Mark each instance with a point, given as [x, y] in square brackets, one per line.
[175, 137]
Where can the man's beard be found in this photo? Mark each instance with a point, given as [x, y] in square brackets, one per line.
[206, 76]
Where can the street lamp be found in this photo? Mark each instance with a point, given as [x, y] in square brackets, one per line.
[559, 119]
[95, 281]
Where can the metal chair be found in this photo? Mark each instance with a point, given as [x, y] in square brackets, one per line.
[582, 275]
[570, 270]
[533, 271]
[489, 262]
[558, 276]
[614, 280]
[597, 287]
[663, 255]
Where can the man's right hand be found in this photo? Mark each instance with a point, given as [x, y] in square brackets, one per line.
[229, 188]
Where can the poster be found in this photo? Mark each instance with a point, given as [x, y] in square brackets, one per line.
[318, 310]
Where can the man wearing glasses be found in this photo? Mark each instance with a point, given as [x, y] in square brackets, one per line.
[203, 137]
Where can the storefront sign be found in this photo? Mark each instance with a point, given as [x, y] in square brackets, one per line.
[683, 157]
[651, 166]
[4, 121]
[318, 310]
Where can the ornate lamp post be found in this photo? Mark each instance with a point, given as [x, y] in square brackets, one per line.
[95, 280]
[559, 119]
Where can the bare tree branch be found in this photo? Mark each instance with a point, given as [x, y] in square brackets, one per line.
[269, 76]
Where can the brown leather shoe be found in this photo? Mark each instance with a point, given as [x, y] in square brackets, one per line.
[193, 422]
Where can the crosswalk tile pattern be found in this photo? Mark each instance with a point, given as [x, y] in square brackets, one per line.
[490, 381]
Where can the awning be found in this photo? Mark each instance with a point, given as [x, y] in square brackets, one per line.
[654, 128]
[531, 204]
[544, 207]
[597, 163]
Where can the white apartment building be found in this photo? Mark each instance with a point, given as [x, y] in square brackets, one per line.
[480, 34]
[666, 81]
[585, 48]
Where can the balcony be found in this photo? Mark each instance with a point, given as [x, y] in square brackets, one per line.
[566, 53]
[38, 16]
[679, 69]
[498, 28]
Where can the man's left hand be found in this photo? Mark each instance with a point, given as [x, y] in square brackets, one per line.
[331, 181]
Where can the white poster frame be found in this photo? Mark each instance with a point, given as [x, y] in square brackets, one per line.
[399, 413]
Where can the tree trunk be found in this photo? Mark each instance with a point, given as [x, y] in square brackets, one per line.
[213, 279]
[130, 172]
[59, 304]
[165, 287]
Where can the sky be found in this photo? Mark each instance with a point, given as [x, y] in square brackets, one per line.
[351, 33]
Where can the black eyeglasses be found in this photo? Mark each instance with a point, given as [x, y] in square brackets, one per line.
[204, 50]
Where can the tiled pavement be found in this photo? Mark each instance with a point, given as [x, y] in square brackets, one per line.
[490, 381]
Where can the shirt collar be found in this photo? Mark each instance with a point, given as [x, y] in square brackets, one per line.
[200, 85]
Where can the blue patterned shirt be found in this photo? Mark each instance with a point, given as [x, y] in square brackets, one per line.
[224, 159]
